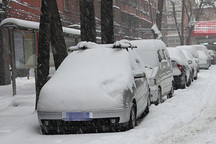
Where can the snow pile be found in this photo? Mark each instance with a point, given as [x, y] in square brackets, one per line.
[157, 31]
[87, 80]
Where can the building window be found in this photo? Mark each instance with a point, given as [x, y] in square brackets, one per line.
[66, 5]
[76, 5]
[98, 8]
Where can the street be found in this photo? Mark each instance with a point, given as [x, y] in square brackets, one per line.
[187, 118]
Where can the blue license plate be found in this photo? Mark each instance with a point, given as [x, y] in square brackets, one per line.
[76, 116]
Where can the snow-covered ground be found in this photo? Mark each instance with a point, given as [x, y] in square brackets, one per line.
[187, 118]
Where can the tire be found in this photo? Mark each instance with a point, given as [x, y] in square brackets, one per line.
[171, 92]
[195, 78]
[183, 86]
[132, 121]
[159, 100]
[189, 82]
[192, 77]
[147, 107]
[43, 131]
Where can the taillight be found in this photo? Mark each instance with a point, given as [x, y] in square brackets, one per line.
[179, 67]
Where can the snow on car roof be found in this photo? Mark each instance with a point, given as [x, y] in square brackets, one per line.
[88, 79]
[202, 54]
[190, 48]
[188, 54]
[147, 49]
[177, 55]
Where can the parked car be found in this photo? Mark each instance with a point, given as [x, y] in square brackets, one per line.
[194, 53]
[155, 56]
[181, 68]
[96, 86]
[205, 50]
[192, 64]
[203, 60]
[213, 56]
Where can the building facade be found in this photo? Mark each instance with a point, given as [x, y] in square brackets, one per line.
[172, 34]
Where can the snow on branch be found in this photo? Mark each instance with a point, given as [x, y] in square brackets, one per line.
[157, 31]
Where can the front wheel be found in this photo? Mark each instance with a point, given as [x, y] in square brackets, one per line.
[159, 100]
[171, 92]
[132, 121]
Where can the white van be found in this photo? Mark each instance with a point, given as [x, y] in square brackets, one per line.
[155, 56]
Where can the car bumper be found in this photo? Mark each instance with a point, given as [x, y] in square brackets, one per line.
[120, 115]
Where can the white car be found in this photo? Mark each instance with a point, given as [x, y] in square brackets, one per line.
[213, 56]
[207, 57]
[193, 51]
[96, 86]
[192, 63]
[181, 68]
[203, 60]
[155, 56]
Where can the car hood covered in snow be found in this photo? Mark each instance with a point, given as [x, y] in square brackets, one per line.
[88, 80]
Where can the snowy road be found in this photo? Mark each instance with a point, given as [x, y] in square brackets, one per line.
[187, 118]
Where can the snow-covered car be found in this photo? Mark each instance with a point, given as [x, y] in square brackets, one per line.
[213, 56]
[181, 68]
[96, 86]
[192, 64]
[193, 51]
[203, 60]
[205, 50]
[156, 58]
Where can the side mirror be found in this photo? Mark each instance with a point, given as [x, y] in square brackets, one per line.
[140, 75]
[190, 62]
[164, 63]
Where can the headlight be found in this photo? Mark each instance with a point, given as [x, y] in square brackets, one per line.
[152, 82]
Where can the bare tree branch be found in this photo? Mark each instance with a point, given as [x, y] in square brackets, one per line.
[175, 19]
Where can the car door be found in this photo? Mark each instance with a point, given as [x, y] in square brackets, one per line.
[168, 73]
[142, 87]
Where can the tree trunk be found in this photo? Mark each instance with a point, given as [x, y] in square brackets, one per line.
[182, 23]
[57, 37]
[107, 29]
[87, 20]
[4, 57]
[188, 39]
[50, 31]
[43, 48]
[159, 16]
